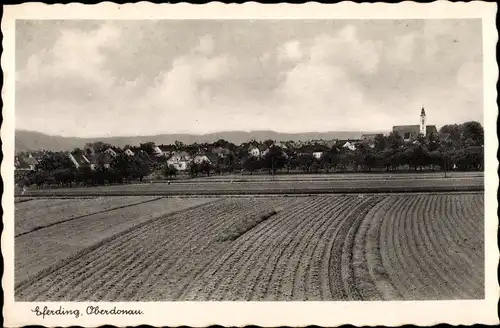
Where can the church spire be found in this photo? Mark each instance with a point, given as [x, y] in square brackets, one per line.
[423, 129]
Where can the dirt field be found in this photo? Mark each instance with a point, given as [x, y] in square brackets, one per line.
[41, 249]
[40, 213]
[264, 176]
[359, 184]
[351, 247]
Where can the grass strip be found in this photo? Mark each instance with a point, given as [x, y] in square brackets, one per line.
[233, 232]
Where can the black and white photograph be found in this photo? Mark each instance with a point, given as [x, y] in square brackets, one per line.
[251, 159]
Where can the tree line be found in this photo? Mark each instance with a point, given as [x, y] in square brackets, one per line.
[455, 147]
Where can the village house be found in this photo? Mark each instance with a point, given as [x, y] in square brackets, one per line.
[79, 159]
[110, 152]
[265, 151]
[254, 151]
[31, 161]
[317, 154]
[179, 160]
[221, 152]
[282, 145]
[128, 152]
[369, 139]
[330, 143]
[100, 160]
[200, 158]
[371, 136]
[349, 145]
[21, 164]
[157, 151]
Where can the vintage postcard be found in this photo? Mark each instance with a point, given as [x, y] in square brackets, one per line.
[270, 165]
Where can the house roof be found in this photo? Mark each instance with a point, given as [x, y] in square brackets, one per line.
[31, 160]
[413, 129]
[141, 153]
[371, 135]
[444, 136]
[20, 163]
[80, 158]
[100, 158]
[182, 154]
[221, 150]
[212, 157]
[128, 150]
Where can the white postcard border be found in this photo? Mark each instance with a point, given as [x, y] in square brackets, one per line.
[264, 314]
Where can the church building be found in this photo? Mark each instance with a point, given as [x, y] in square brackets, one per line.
[410, 132]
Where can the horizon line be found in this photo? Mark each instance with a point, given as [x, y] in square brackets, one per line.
[201, 134]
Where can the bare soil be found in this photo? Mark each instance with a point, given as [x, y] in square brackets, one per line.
[349, 247]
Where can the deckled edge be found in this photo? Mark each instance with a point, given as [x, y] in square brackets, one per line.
[8, 97]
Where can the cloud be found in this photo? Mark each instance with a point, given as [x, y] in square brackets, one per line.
[402, 49]
[265, 58]
[324, 83]
[290, 51]
[75, 56]
[467, 76]
[206, 46]
[128, 78]
[186, 85]
[345, 48]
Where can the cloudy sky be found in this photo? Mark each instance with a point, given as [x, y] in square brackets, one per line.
[102, 78]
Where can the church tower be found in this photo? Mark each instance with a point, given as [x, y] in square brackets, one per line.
[422, 122]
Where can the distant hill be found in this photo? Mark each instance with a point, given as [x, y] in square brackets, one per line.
[31, 140]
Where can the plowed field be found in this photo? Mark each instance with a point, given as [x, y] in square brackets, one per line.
[355, 247]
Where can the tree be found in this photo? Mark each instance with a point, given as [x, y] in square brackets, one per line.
[54, 161]
[454, 130]
[274, 159]
[473, 131]
[64, 177]
[220, 143]
[305, 162]
[326, 160]
[315, 167]
[433, 142]
[380, 142]
[229, 162]
[251, 164]
[291, 163]
[268, 143]
[194, 169]
[418, 156]
[122, 165]
[148, 147]
[206, 167]
[140, 168]
[370, 160]
[179, 145]
[169, 171]
[395, 140]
